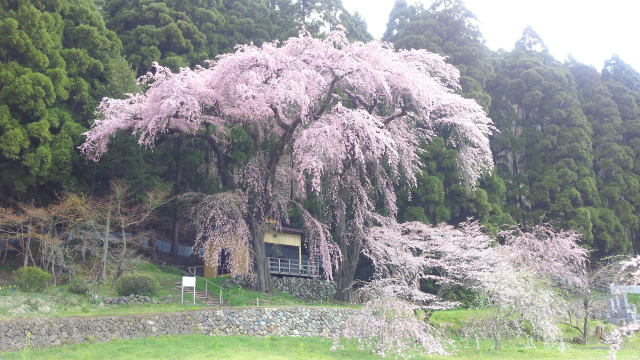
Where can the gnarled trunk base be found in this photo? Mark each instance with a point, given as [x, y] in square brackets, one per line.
[347, 271]
[263, 277]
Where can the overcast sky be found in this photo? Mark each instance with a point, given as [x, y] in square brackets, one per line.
[590, 30]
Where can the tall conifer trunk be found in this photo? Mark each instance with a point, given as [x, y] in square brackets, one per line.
[105, 242]
[175, 241]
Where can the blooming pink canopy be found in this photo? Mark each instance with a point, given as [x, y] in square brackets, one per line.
[271, 87]
[350, 111]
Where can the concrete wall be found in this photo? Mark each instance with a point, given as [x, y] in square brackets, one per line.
[287, 321]
[624, 289]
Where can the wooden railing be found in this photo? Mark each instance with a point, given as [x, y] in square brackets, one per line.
[208, 285]
[283, 266]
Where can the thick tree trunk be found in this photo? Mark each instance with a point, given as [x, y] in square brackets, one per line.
[263, 277]
[350, 249]
[347, 270]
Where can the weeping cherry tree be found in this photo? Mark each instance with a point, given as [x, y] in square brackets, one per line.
[327, 117]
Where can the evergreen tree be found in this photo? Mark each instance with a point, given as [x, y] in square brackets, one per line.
[623, 83]
[613, 161]
[566, 150]
[545, 148]
[175, 33]
[440, 195]
[446, 28]
[317, 17]
[56, 59]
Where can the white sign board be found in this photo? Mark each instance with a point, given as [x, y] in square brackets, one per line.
[188, 281]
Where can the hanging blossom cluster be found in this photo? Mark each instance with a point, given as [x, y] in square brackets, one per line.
[524, 280]
[518, 277]
[528, 295]
[553, 254]
[350, 115]
[222, 217]
[394, 320]
[397, 333]
[406, 254]
[318, 241]
[616, 337]
[629, 272]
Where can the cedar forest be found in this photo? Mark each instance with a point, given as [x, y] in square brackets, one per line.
[565, 151]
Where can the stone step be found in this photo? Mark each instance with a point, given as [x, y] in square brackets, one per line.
[207, 299]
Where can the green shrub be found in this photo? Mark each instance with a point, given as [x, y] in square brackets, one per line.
[467, 298]
[78, 286]
[138, 284]
[32, 279]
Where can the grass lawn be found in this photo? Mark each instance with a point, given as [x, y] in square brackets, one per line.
[522, 349]
[58, 302]
[289, 348]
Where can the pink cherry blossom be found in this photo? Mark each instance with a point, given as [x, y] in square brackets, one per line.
[519, 279]
[342, 119]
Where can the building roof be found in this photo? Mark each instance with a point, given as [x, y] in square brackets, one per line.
[286, 229]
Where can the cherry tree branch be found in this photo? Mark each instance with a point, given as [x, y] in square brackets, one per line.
[400, 114]
[327, 99]
[358, 99]
[278, 118]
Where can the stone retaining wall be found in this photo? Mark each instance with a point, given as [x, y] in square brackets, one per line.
[300, 287]
[305, 288]
[289, 321]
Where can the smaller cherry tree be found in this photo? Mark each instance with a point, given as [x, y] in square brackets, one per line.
[395, 318]
[518, 279]
[523, 286]
[590, 295]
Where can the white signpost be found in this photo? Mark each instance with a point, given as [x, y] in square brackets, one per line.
[188, 281]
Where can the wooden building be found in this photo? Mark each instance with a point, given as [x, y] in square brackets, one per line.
[285, 256]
